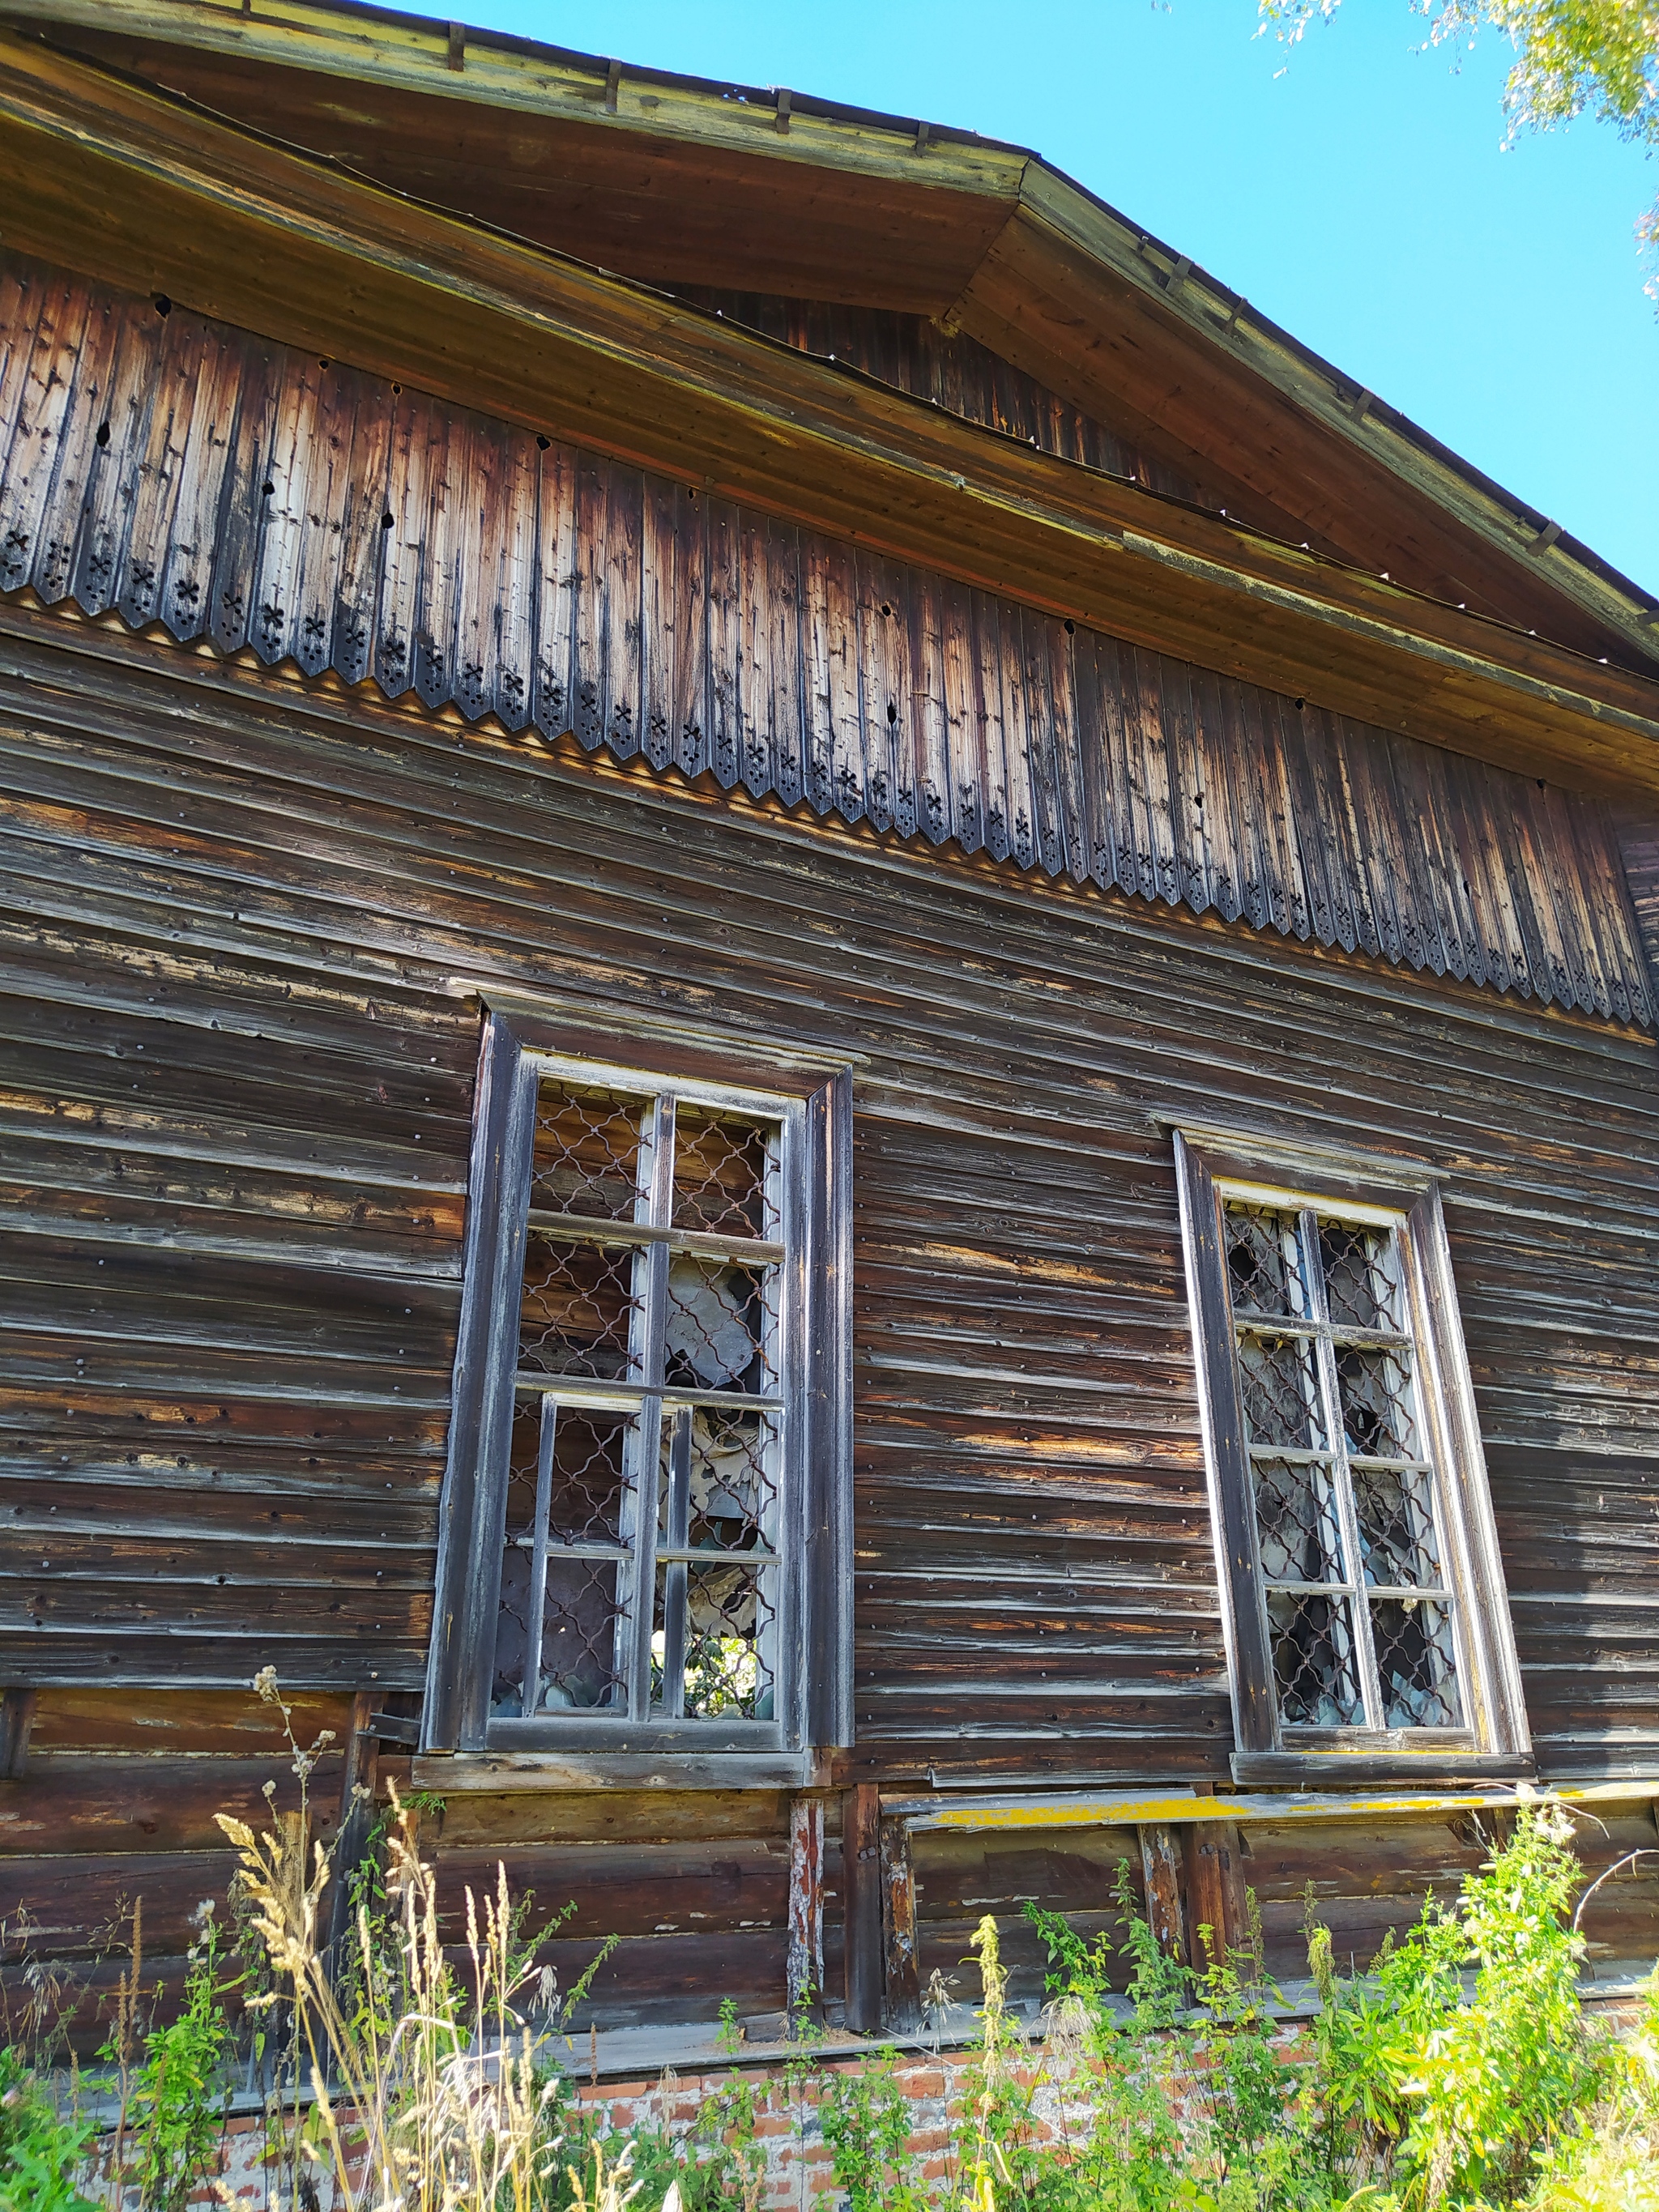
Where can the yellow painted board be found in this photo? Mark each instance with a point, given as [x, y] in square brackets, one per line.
[1115, 1809]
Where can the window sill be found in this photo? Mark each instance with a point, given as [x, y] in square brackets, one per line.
[563, 1735]
[498, 1771]
[1318, 1769]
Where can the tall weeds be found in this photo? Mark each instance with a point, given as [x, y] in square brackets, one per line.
[417, 2069]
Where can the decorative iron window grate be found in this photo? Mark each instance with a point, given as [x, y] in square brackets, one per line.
[1359, 1614]
[647, 1538]
[1368, 1627]
[647, 1473]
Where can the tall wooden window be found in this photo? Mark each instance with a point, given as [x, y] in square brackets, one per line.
[650, 1459]
[1366, 1604]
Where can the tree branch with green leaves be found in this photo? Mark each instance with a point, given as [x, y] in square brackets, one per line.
[1572, 57]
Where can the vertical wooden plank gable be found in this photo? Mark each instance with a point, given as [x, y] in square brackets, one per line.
[81, 448]
[49, 360]
[244, 488]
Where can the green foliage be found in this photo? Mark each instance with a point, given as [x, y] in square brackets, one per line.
[1195, 2103]
[1445, 2094]
[40, 2147]
[1572, 57]
[178, 2098]
[1497, 2076]
[726, 2166]
[1606, 2158]
[866, 2121]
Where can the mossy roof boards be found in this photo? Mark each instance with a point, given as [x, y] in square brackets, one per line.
[499, 221]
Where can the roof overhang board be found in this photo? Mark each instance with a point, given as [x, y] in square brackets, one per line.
[660, 205]
[135, 188]
[378, 46]
[1061, 298]
[667, 178]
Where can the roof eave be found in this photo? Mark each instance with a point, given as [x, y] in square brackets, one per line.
[287, 245]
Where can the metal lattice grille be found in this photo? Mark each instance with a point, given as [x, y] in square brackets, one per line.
[1360, 1616]
[640, 1579]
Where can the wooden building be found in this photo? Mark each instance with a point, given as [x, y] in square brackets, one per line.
[829, 1035]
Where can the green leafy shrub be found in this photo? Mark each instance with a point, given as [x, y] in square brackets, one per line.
[867, 2124]
[178, 2096]
[1457, 2074]
[40, 2148]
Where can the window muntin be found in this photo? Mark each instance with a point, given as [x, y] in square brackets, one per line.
[1345, 1499]
[642, 1574]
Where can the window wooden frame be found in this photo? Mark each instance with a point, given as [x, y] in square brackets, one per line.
[813, 1681]
[1213, 1166]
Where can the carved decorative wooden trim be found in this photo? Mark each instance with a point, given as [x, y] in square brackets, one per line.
[193, 478]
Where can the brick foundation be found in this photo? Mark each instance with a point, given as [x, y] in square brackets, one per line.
[938, 2085]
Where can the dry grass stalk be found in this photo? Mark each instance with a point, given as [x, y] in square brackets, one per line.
[428, 2096]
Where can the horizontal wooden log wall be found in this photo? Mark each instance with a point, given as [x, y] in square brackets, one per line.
[223, 489]
[116, 1810]
[243, 920]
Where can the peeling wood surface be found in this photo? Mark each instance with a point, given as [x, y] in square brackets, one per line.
[676, 182]
[861, 1894]
[238, 495]
[245, 922]
[803, 1980]
[1052, 1810]
[900, 1988]
[1162, 1887]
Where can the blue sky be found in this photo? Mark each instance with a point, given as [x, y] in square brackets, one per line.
[1354, 189]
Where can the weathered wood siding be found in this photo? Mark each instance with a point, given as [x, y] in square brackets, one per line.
[242, 930]
[917, 355]
[186, 476]
[246, 911]
[244, 922]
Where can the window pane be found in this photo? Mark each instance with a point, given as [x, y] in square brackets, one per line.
[1281, 1392]
[716, 1330]
[1362, 1274]
[704, 1490]
[732, 1505]
[728, 1637]
[1315, 1668]
[587, 1152]
[580, 1308]
[1265, 1265]
[1296, 1521]
[580, 1657]
[1396, 1526]
[587, 1500]
[1374, 1386]
[580, 1668]
[1415, 1663]
[579, 1665]
[1339, 1490]
[721, 1175]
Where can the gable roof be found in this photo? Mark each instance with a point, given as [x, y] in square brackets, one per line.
[116, 174]
[676, 181]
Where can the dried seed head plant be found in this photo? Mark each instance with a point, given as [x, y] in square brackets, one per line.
[431, 2089]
